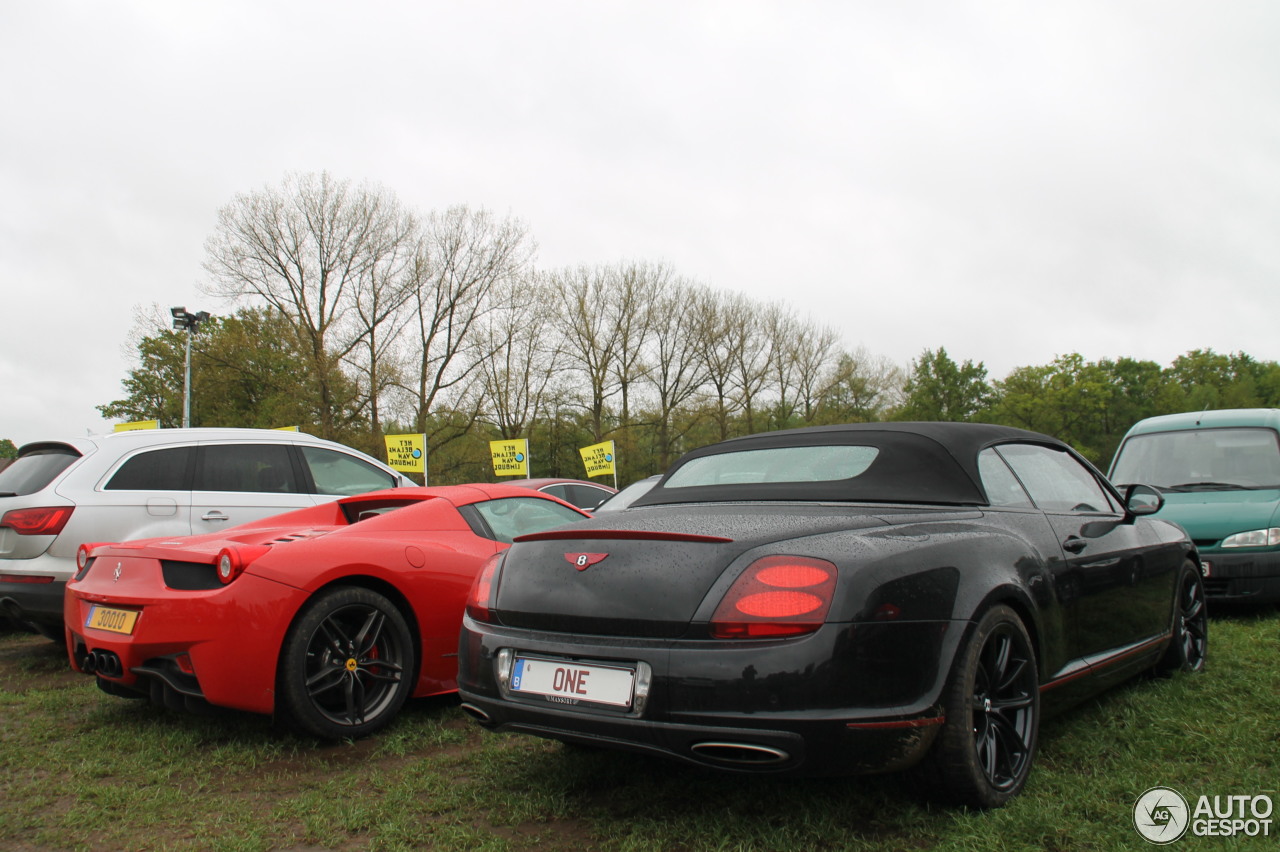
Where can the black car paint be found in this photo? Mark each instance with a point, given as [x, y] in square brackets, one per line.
[862, 693]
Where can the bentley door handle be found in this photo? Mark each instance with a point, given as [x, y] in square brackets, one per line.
[214, 515]
[1074, 544]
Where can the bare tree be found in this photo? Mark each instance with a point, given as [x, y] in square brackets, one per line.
[678, 370]
[464, 255]
[802, 356]
[377, 317]
[304, 249]
[513, 382]
[590, 342]
[630, 309]
[860, 388]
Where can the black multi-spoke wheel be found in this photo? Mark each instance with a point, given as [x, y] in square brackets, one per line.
[985, 750]
[347, 664]
[1189, 645]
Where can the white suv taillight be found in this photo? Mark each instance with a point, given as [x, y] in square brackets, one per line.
[46, 520]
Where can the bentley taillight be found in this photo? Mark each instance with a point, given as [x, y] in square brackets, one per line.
[46, 520]
[776, 596]
[481, 597]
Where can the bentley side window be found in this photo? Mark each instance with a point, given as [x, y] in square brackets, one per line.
[1055, 480]
[1002, 487]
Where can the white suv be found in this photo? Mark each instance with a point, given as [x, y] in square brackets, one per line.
[166, 482]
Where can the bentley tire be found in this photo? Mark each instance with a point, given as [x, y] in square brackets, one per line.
[984, 752]
[1190, 642]
[347, 664]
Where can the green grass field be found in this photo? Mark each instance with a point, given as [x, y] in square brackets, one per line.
[83, 770]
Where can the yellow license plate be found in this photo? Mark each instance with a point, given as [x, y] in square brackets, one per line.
[113, 620]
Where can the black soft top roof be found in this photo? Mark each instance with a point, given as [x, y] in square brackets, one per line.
[917, 463]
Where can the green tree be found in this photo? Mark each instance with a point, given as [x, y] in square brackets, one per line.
[1070, 399]
[247, 370]
[8, 450]
[1209, 380]
[940, 389]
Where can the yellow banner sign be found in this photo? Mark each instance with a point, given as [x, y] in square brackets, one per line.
[510, 458]
[407, 453]
[598, 458]
[133, 427]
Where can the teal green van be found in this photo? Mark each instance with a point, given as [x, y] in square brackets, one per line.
[1219, 472]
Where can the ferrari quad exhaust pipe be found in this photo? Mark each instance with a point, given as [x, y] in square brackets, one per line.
[104, 663]
[739, 754]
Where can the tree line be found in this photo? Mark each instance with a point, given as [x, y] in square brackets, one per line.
[353, 317]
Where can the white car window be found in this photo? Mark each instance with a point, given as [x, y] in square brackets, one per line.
[154, 470]
[254, 468]
[341, 474]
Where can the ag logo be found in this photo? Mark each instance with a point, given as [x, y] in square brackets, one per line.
[1161, 815]
[583, 561]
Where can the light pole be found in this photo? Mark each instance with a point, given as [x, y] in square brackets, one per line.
[181, 320]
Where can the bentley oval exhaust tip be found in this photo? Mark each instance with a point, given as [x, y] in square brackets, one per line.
[739, 754]
[476, 713]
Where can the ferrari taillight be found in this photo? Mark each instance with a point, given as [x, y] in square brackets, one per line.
[46, 520]
[229, 565]
[481, 598]
[84, 556]
[776, 596]
[233, 560]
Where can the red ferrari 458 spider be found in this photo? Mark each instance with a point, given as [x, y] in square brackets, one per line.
[329, 616]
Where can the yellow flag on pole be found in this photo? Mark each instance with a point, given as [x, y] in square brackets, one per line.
[510, 458]
[407, 453]
[599, 459]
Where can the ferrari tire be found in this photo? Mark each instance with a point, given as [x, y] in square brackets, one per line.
[1189, 644]
[984, 752]
[347, 664]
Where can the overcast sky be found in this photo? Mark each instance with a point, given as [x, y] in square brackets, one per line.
[1011, 181]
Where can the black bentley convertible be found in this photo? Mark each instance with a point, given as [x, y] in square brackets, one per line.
[839, 600]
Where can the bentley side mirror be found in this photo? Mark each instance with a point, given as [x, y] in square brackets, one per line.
[1142, 499]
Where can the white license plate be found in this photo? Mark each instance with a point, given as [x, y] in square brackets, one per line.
[1206, 569]
[571, 683]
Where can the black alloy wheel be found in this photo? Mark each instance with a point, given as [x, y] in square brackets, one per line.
[347, 665]
[985, 750]
[1189, 645]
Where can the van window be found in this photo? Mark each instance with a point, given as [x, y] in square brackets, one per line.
[1201, 459]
